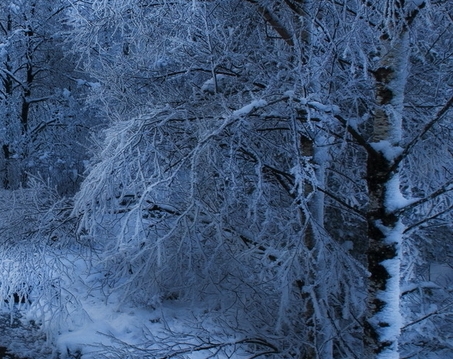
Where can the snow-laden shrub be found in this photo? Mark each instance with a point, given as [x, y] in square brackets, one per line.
[36, 277]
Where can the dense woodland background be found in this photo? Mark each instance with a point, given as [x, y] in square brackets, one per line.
[278, 173]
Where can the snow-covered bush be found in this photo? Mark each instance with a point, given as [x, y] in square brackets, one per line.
[35, 276]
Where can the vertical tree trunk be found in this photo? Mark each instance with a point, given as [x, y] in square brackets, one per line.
[382, 322]
[301, 40]
[308, 292]
[8, 91]
[318, 324]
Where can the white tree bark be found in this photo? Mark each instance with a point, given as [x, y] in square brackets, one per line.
[385, 228]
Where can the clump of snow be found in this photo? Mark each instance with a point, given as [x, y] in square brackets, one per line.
[94, 85]
[14, 8]
[66, 93]
[389, 151]
[289, 93]
[213, 85]
[162, 63]
[244, 111]
[303, 174]
[348, 245]
[303, 101]
[394, 199]
[316, 105]
[324, 108]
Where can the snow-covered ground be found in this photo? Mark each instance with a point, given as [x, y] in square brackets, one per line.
[22, 337]
[90, 324]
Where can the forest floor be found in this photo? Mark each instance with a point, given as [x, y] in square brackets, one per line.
[112, 332]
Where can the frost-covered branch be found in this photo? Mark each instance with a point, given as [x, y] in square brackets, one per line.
[410, 288]
[274, 22]
[343, 203]
[409, 147]
[425, 220]
[219, 346]
[445, 188]
[441, 311]
[15, 78]
[357, 136]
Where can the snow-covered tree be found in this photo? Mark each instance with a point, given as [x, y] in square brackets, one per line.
[43, 125]
[258, 152]
[210, 188]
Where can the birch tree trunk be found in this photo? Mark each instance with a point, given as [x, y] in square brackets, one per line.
[385, 228]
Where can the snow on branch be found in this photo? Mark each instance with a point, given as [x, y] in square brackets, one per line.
[247, 109]
[10, 74]
[389, 151]
[343, 203]
[440, 312]
[274, 22]
[323, 108]
[420, 223]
